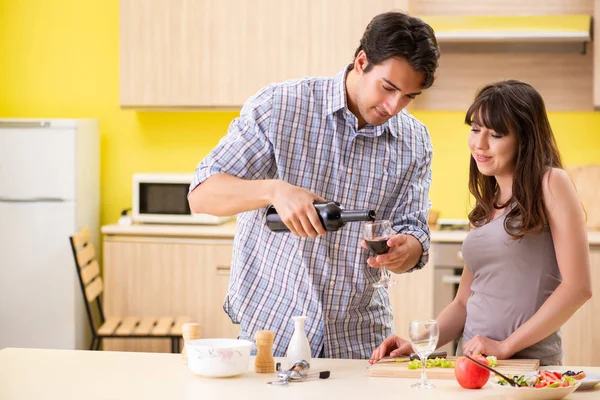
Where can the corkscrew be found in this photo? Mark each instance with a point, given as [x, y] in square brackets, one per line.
[297, 373]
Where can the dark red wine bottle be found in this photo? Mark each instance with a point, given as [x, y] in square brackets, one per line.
[332, 215]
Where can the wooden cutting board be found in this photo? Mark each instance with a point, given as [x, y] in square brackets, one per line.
[392, 369]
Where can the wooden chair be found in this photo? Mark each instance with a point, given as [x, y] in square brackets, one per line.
[115, 327]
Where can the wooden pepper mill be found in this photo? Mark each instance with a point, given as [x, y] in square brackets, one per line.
[264, 362]
[189, 331]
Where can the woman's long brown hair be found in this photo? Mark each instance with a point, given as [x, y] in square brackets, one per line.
[514, 107]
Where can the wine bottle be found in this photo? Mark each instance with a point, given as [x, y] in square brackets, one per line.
[332, 215]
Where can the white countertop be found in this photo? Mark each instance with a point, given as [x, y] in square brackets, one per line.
[227, 230]
[28, 374]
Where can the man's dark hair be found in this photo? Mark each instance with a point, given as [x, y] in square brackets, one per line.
[394, 34]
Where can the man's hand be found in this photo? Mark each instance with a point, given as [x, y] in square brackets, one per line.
[393, 346]
[395, 258]
[295, 207]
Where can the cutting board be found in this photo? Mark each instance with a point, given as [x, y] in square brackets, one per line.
[391, 369]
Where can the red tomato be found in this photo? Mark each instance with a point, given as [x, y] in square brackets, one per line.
[548, 376]
[557, 374]
[470, 375]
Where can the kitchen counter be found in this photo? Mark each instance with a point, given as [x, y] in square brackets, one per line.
[224, 231]
[227, 230]
[68, 374]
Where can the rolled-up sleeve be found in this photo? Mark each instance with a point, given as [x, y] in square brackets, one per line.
[245, 152]
[410, 215]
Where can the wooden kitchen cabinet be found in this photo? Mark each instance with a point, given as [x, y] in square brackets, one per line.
[217, 53]
[155, 276]
[581, 342]
[412, 296]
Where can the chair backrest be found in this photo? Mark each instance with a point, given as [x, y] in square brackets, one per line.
[88, 271]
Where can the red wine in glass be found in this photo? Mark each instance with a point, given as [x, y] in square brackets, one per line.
[378, 245]
[376, 235]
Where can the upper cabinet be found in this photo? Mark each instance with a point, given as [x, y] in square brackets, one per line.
[217, 53]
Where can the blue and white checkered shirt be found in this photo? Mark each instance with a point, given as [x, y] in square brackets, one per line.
[302, 132]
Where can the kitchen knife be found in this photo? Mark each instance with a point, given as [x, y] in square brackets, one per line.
[435, 354]
[413, 356]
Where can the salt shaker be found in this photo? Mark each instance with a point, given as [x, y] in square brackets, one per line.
[190, 331]
[264, 362]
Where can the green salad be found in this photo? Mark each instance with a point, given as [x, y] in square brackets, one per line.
[444, 363]
[542, 379]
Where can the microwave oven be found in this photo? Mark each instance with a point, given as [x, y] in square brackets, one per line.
[161, 198]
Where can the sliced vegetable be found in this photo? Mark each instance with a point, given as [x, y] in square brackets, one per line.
[492, 360]
[543, 379]
[431, 363]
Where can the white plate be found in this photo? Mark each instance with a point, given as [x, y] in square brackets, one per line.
[531, 393]
[589, 382]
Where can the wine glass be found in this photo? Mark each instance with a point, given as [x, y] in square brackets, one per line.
[424, 337]
[376, 234]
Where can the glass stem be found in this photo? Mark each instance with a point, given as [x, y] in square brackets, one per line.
[423, 368]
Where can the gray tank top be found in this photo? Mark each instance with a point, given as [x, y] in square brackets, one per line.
[511, 281]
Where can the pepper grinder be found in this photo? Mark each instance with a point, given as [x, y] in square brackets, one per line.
[190, 331]
[264, 362]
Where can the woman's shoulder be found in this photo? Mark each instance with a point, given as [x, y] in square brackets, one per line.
[559, 190]
[555, 179]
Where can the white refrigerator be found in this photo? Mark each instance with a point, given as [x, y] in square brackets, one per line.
[49, 189]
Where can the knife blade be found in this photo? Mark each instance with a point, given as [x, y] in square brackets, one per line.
[435, 354]
[413, 356]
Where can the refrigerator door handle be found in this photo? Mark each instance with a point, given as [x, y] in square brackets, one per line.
[32, 200]
[24, 124]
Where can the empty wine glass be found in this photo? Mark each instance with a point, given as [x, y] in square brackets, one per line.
[376, 234]
[424, 337]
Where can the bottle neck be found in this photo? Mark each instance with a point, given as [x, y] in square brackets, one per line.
[358, 215]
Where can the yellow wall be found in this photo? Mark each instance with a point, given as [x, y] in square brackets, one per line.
[59, 58]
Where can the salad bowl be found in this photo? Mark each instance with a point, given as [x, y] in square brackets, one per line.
[541, 385]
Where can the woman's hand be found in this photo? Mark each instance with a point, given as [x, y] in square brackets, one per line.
[393, 346]
[487, 347]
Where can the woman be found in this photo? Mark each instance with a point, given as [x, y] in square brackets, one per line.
[527, 264]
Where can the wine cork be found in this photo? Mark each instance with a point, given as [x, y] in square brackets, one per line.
[190, 331]
[264, 362]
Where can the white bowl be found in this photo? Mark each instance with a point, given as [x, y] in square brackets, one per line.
[531, 393]
[218, 358]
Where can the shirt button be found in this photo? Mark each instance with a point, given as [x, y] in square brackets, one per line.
[337, 246]
[331, 283]
[349, 170]
[326, 320]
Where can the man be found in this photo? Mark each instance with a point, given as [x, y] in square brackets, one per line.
[343, 138]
